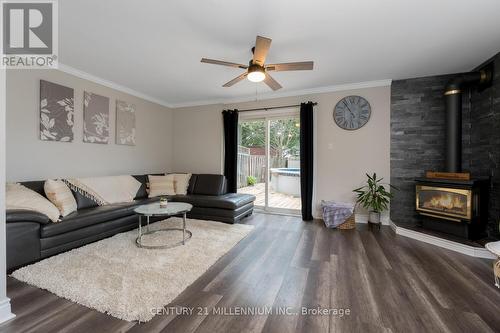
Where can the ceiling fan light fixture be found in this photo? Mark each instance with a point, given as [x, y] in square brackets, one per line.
[256, 73]
[257, 69]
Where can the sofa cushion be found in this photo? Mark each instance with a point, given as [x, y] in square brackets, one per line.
[87, 216]
[211, 211]
[192, 183]
[82, 202]
[142, 192]
[94, 215]
[222, 215]
[85, 235]
[181, 182]
[145, 201]
[24, 215]
[106, 189]
[60, 195]
[35, 185]
[227, 201]
[18, 196]
[161, 185]
[209, 184]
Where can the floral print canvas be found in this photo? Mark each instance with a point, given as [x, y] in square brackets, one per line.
[95, 118]
[56, 112]
[125, 123]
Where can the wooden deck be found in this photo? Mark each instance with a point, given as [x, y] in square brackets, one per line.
[276, 200]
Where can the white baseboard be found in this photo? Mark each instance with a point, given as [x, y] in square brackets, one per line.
[5, 312]
[360, 218]
[479, 252]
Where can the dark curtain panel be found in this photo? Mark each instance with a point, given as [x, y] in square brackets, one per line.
[306, 159]
[230, 119]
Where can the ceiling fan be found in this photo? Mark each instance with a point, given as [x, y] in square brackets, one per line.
[257, 70]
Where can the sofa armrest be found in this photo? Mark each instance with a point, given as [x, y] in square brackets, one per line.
[22, 243]
[24, 215]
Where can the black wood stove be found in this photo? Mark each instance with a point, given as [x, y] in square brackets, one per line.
[451, 201]
[457, 207]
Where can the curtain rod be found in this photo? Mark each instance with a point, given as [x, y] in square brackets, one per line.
[274, 107]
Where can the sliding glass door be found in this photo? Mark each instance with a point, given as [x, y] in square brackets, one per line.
[268, 160]
[252, 159]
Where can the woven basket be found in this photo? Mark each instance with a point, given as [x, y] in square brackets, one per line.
[350, 223]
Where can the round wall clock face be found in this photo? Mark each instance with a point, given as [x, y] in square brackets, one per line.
[352, 112]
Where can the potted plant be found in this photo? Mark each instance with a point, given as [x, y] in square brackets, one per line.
[374, 197]
[251, 180]
[163, 202]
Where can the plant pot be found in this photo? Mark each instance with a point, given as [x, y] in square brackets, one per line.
[374, 217]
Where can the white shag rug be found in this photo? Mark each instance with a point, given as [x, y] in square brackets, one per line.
[116, 277]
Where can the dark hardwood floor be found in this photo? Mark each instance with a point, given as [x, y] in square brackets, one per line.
[388, 283]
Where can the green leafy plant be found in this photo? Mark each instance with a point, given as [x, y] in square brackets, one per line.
[373, 195]
[251, 180]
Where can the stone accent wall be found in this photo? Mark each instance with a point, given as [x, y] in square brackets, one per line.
[485, 143]
[418, 139]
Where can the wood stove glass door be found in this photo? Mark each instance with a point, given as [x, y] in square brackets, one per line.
[444, 201]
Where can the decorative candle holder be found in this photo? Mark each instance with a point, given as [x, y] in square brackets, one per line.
[163, 202]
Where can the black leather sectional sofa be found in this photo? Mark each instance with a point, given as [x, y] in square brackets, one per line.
[31, 236]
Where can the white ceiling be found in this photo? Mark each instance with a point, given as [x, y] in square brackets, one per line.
[154, 46]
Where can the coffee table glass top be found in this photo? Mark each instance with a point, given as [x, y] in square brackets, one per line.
[154, 209]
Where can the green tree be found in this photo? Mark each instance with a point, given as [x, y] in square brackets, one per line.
[284, 138]
[252, 133]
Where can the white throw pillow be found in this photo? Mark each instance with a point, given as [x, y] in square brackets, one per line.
[161, 185]
[181, 182]
[18, 196]
[106, 190]
[60, 195]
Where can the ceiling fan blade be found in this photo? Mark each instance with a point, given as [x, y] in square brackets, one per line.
[236, 80]
[291, 66]
[262, 45]
[223, 63]
[272, 83]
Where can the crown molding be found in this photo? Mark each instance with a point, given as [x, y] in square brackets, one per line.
[478, 252]
[318, 90]
[272, 95]
[110, 84]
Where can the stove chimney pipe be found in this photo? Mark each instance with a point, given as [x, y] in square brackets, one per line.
[453, 100]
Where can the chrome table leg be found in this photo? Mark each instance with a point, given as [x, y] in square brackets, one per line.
[183, 228]
[140, 230]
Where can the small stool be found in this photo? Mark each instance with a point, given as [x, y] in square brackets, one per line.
[494, 247]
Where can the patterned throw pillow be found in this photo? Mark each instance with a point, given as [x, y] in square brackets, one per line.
[60, 195]
[161, 185]
[18, 196]
[181, 182]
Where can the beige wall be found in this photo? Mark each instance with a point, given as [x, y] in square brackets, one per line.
[29, 158]
[198, 136]
[342, 157]
[186, 139]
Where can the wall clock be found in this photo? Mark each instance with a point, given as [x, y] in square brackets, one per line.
[352, 112]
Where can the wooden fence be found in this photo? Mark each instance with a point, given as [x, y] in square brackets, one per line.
[251, 165]
[255, 166]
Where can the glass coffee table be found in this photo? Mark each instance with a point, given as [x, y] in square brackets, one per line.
[154, 210]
